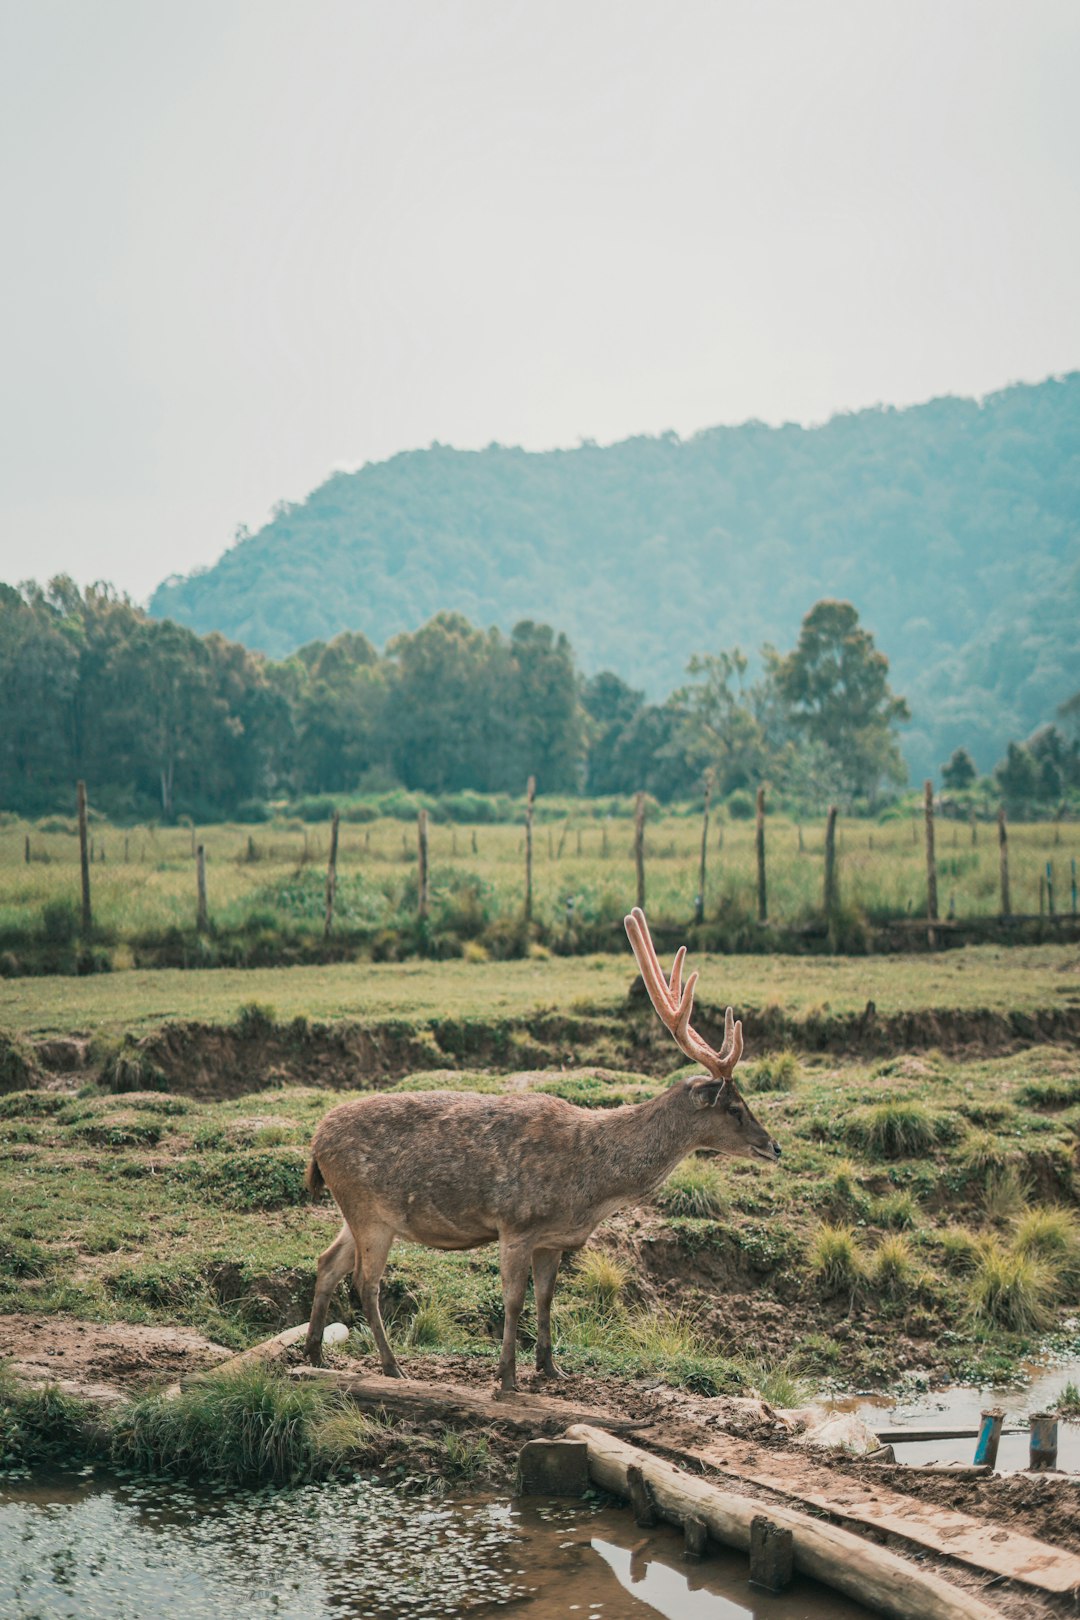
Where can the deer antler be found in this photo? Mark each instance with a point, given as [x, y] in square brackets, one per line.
[674, 1003]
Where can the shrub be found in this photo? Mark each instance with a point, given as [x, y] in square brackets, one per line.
[695, 1187]
[255, 1021]
[430, 1326]
[1010, 1290]
[269, 1178]
[834, 1257]
[740, 806]
[1068, 1402]
[40, 1424]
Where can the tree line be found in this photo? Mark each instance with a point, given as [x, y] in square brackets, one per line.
[163, 722]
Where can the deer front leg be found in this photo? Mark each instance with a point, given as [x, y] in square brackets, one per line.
[514, 1257]
[545, 1268]
[334, 1263]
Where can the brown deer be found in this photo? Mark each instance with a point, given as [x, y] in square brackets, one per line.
[534, 1174]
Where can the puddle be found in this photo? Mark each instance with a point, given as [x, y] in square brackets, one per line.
[76, 1547]
[959, 1407]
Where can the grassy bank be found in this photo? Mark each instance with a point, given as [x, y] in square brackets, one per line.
[924, 1218]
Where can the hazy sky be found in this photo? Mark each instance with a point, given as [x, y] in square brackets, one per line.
[246, 241]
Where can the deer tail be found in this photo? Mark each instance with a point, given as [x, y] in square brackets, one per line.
[313, 1180]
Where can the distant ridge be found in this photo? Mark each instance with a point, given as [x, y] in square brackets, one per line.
[953, 526]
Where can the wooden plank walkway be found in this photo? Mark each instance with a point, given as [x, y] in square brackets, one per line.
[982, 1545]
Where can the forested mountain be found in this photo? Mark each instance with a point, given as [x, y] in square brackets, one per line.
[952, 526]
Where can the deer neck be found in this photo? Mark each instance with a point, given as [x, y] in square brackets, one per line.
[645, 1141]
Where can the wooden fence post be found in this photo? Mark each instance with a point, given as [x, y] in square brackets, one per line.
[26, 850]
[1003, 853]
[831, 891]
[1050, 887]
[759, 840]
[931, 861]
[700, 907]
[331, 876]
[974, 829]
[202, 918]
[84, 859]
[639, 848]
[530, 801]
[421, 866]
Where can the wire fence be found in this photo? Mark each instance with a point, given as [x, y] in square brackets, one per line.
[135, 894]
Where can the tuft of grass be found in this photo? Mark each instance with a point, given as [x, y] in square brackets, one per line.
[894, 1270]
[1010, 1290]
[834, 1257]
[777, 1071]
[248, 1424]
[842, 1192]
[898, 1211]
[465, 1456]
[1050, 1234]
[960, 1246]
[778, 1385]
[897, 1130]
[40, 1423]
[1068, 1402]
[601, 1277]
[431, 1326]
[982, 1156]
[695, 1187]
[1006, 1195]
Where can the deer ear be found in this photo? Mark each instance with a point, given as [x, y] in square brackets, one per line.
[707, 1093]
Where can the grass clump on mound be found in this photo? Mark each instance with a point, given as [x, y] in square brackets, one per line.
[601, 1277]
[248, 1424]
[897, 1130]
[40, 1423]
[778, 1071]
[1050, 1234]
[1011, 1290]
[696, 1187]
[835, 1258]
[894, 1271]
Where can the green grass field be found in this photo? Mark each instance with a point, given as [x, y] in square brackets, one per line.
[927, 1204]
[273, 875]
[997, 978]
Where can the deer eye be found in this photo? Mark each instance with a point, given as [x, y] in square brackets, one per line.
[736, 1114]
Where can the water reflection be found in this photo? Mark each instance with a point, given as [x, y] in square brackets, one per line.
[78, 1547]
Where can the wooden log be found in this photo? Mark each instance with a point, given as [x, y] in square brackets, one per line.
[268, 1350]
[870, 1574]
[993, 1549]
[416, 1398]
[1043, 1446]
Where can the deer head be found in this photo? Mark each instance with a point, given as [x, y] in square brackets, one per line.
[726, 1124]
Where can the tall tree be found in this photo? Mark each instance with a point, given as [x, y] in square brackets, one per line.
[836, 685]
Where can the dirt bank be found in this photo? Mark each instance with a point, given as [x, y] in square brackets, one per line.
[215, 1061]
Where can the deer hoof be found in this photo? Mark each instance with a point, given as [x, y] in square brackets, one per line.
[313, 1352]
[548, 1369]
[393, 1371]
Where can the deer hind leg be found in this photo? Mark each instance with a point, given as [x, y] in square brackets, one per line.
[334, 1263]
[373, 1247]
[514, 1257]
[545, 1268]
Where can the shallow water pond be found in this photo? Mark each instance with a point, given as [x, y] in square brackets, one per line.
[959, 1407]
[74, 1547]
